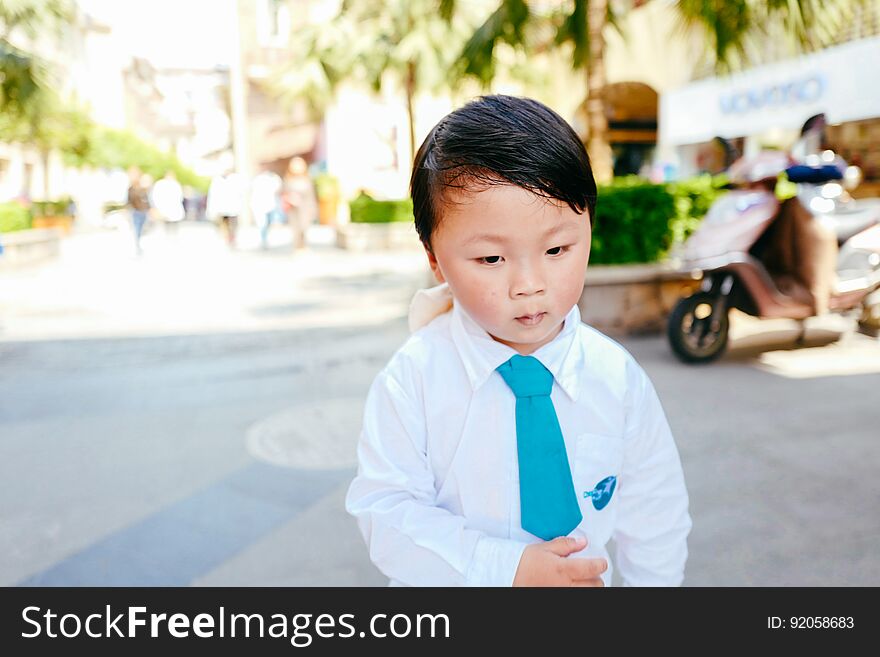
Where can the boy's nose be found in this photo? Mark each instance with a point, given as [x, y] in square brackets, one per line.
[527, 283]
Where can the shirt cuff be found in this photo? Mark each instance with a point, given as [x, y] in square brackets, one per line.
[494, 562]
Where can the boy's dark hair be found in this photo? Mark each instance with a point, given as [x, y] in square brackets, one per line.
[498, 140]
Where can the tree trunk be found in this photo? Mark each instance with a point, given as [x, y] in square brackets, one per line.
[44, 161]
[597, 123]
[410, 93]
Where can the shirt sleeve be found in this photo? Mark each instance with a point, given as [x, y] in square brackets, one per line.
[653, 520]
[393, 497]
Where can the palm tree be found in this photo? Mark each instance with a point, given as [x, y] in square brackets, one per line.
[404, 42]
[733, 29]
[22, 75]
[30, 110]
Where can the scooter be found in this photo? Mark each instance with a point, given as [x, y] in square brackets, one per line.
[728, 252]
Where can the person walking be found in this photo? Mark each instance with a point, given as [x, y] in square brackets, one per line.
[225, 203]
[300, 201]
[167, 200]
[139, 204]
[266, 202]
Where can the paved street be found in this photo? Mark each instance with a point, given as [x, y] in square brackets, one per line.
[189, 418]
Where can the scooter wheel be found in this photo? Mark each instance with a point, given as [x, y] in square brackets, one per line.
[696, 333]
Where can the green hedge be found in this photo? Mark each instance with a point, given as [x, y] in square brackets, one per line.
[693, 197]
[326, 186]
[631, 224]
[121, 149]
[14, 216]
[58, 208]
[114, 207]
[638, 222]
[367, 210]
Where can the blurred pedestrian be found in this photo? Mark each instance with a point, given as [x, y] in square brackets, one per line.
[193, 204]
[138, 204]
[266, 202]
[813, 139]
[226, 202]
[300, 201]
[167, 200]
[813, 147]
[716, 156]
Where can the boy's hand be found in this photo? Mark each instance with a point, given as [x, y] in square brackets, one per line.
[545, 564]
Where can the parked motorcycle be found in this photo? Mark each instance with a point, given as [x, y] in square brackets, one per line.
[814, 253]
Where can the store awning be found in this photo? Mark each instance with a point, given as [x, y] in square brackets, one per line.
[842, 82]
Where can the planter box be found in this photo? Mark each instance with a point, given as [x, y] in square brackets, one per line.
[29, 246]
[64, 222]
[327, 208]
[375, 237]
[632, 299]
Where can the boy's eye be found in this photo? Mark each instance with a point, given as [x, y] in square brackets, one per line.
[559, 250]
[490, 260]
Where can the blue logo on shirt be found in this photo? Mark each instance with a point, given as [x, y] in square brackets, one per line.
[602, 493]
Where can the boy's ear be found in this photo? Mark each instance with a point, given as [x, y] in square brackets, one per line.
[435, 267]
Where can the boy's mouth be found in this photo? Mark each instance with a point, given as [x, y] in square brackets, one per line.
[531, 320]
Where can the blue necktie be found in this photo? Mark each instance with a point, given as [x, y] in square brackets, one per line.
[548, 504]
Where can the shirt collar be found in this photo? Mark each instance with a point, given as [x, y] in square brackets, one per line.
[481, 355]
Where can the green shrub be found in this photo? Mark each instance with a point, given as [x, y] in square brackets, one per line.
[638, 222]
[693, 198]
[326, 186]
[110, 148]
[632, 223]
[14, 216]
[114, 207]
[367, 210]
[58, 208]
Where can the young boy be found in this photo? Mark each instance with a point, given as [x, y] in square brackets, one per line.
[506, 442]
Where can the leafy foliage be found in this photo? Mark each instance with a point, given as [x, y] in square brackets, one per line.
[632, 224]
[14, 216]
[738, 30]
[110, 148]
[61, 207]
[363, 43]
[32, 112]
[639, 222]
[693, 197]
[404, 42]
[367, 210]
[23, 75]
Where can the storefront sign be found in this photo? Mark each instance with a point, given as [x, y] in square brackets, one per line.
[839, 81]
[802, 90]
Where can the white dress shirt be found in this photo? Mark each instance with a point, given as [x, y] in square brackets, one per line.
[436, 496]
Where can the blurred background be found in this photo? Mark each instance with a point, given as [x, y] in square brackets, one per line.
[207, 253]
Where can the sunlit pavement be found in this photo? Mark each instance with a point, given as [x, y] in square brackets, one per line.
[781, 454]
[190, 416]
[195, 284]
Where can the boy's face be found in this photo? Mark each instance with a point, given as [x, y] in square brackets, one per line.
[535, 264]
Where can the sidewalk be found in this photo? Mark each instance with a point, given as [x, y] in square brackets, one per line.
[217, 449]
[195, 284]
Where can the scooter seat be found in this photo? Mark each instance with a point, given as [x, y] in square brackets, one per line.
[802, 173]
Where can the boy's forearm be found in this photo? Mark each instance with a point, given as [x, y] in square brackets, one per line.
[495, 562]
[422, 545]
[393, 497]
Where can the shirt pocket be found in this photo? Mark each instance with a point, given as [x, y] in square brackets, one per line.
[597, 463]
